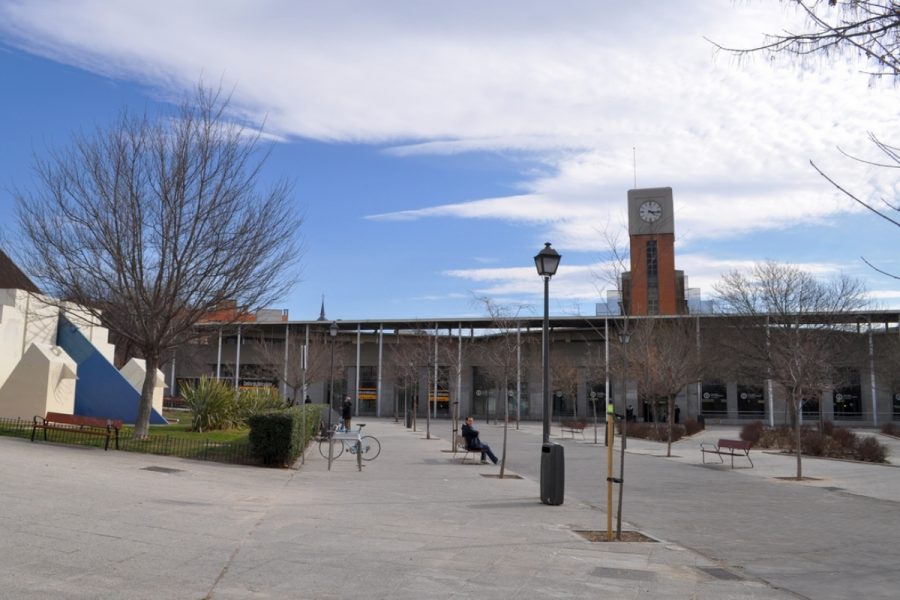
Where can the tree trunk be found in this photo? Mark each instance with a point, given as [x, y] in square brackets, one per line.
[505, 429]
[798, 407]
[621, 478]
[797, 438]
[670, 420]
[145, 404]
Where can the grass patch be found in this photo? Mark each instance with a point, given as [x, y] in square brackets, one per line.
[168, 440]
[174, 439]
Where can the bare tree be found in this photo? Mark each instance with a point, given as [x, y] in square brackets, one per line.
[597, 370]
[882, 207]
[152, 224]
[308, 360]
[663, 357]
[500, 355]
[799, 317]
[414, 353]
[455, 353]
[867, 28]
[564, 375]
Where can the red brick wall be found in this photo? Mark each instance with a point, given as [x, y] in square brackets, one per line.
[665, 244]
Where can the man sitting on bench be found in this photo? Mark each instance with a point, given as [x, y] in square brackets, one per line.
[474, 443]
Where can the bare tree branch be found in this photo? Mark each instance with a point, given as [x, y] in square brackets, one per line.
[869, 28]
[153, 224]
[787, 328]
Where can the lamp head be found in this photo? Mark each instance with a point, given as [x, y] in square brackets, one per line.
[547, 261]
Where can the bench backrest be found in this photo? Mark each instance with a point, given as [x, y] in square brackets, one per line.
[734, 444]
[462, 443]
[66, 419]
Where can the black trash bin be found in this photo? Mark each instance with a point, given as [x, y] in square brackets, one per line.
[553, 474]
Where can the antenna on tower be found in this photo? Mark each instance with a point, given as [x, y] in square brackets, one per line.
[634, 164]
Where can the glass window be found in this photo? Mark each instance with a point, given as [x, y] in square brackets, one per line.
[440, 404]
[751, 401]
[597, 399]
[847, 395]
[484, 394]
[897, 403]
[652, 278]
[652, 259]
[524, 404]
[714, 395]
[811, 406]
[368, 390]
[563, 406]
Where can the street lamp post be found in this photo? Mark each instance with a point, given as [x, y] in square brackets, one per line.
[552, 461]
[332, 332]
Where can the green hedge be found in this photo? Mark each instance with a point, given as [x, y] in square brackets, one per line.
[277, 436]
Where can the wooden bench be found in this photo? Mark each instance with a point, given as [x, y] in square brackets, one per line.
[573, 427]
[78, 424]
[725, 447]
[461, 446]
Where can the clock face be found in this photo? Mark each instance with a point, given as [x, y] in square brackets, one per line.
[650, 211]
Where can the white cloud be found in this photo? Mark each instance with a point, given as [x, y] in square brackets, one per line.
[596, 90]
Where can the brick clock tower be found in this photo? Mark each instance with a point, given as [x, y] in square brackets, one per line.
[653, 286]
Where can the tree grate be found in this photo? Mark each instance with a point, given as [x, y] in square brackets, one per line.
[162, 469]
[720, 573]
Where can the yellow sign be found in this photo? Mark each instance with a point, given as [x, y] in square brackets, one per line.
[443, 397]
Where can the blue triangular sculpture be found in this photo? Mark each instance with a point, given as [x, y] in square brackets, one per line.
[100, 390]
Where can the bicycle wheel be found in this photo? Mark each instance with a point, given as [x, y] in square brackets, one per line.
[338, 449]
[371, 447]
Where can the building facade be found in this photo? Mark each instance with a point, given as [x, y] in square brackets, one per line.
[392, 367]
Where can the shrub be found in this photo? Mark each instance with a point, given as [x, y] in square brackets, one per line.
[871, 450]
[844, 439]
[656, 432]
[277, 436]
[751, 432]
[212, 404]
[890, 428]
[812, 442]
[840, 443]
[692, 426]
[255, 401]
[779, 437]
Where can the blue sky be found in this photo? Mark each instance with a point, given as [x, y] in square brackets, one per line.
[435, 146]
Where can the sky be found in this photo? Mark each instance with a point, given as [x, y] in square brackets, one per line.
[435, 146]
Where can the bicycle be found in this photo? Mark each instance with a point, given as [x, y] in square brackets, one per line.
[370, 445]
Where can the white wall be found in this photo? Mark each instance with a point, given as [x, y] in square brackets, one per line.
[134, 372]
[42, 381]
[25, 318]
[90, 327]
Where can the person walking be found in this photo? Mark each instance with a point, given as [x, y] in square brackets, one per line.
[346, 410]
[473, 441]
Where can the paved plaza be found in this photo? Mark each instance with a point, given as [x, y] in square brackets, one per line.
[84, 523]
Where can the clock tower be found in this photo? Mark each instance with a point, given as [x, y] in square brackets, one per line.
[653, 286]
